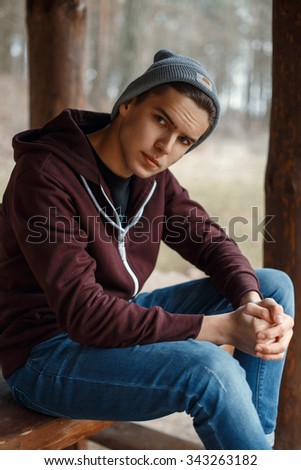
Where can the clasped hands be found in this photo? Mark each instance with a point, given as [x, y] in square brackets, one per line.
[258, 327]
[271, 329]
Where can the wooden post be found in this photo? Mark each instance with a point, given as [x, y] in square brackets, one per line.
[283, 198]
[56, 39]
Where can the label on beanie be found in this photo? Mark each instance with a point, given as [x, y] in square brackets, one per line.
[202, 79]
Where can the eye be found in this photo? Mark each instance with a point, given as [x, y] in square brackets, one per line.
[184, 140]
[160, 120]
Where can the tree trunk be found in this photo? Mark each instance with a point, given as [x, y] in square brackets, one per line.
[283, 198]
[56, 37]
[102, 32]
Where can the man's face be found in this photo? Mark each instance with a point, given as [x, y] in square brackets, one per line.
[155, 133]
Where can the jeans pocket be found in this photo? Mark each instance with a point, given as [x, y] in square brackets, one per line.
[41, 353]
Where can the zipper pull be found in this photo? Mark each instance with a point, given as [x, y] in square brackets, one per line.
[121, 247]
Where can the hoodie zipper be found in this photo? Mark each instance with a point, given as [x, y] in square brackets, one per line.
[122, 232]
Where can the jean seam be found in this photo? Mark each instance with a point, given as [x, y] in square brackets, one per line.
[118, 384]
[34, 404]
[259, 380]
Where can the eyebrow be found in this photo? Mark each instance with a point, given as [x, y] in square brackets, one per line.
[166, 115]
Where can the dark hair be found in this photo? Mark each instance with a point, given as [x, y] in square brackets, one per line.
[192, 92]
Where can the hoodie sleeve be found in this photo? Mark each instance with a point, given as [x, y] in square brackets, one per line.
[57, 253]
[200, 240]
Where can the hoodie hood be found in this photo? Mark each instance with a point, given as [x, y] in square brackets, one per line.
[63, 136]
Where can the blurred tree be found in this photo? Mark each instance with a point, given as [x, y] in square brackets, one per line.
[231, 37]
[283, 197]
[12, 31]
[102, 47]
[56, 38]
[260, 47]
[133, 30]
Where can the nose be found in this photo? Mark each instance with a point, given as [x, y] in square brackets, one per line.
[164, 144]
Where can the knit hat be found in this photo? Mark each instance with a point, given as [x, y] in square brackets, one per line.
[171, 67]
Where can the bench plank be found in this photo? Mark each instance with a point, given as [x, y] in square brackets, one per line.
[131, 436]
[24, 429]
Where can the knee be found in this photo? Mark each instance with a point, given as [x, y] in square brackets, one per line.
[215, 365]
[215, 379]
[225, 368]
[278, 285]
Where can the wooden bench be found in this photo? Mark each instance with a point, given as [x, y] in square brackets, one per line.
[21, 428]
[24, 429]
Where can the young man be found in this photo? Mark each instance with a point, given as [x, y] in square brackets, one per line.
[87, 205]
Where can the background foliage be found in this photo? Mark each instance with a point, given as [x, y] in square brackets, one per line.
[231, 37]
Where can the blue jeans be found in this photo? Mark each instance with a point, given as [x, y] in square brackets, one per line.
[232, 400]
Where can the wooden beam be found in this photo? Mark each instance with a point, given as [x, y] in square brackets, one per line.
[56, 42]
[283, 198]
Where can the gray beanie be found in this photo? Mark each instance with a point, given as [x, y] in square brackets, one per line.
[171, 67]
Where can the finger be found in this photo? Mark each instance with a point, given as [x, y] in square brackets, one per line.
[274, 348]
[270, 357]
[266, 342]
[257, 311]
[276, 331]
[276, 310]
[269, 354]
[269, 334]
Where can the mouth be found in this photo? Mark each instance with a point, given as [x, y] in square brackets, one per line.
[151, 162]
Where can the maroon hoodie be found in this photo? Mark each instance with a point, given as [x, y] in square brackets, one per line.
[67, 264]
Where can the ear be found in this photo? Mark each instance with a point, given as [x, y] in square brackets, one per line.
[125, 107]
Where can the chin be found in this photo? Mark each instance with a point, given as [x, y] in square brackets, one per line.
[146, 172]
[143, 174]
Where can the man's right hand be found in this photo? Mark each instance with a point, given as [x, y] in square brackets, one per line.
[250, 330]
